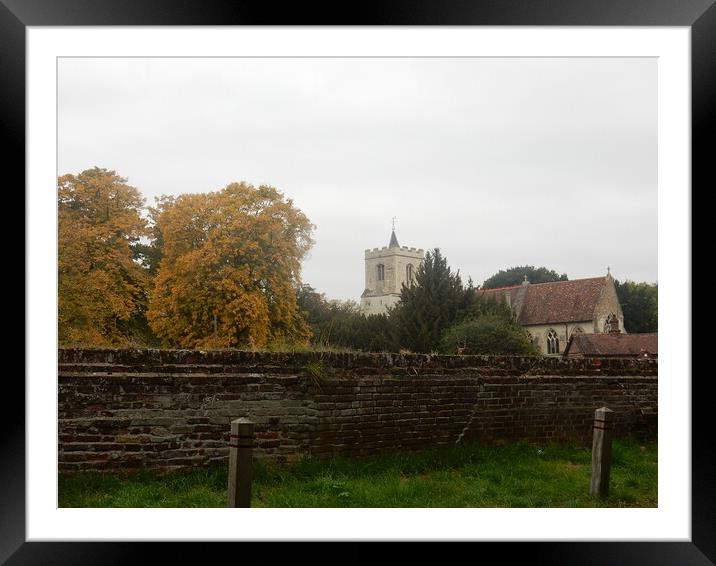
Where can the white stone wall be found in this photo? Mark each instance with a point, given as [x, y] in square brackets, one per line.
[608, 304]
[382, 294]
[378, 305]
[564, 331]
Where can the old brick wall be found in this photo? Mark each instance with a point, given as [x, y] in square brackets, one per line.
[167, 409]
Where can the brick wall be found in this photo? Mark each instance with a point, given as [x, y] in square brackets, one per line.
[166, 409]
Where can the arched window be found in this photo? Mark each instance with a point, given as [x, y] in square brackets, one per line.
[381, 272]
[552, 342]
[409, 275]
[577, 330]
[611, 324]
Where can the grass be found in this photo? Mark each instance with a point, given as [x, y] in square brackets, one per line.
[473, 475]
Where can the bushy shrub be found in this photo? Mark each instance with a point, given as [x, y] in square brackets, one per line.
[487, 334]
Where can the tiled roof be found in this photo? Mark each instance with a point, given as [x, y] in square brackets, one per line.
[559, 301]
[499, 293]
[562, 301]
[614, 344]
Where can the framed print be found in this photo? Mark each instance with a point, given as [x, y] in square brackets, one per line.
[47, 45]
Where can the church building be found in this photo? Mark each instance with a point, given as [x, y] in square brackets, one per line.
[386, 270]
[553, 312]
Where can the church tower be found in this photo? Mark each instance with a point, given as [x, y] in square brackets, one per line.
[386, 269]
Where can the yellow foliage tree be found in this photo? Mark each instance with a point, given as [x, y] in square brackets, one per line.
[101, 288]
[229, 270]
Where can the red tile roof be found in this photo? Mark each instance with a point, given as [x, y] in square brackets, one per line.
[559, 301]
[613, 344]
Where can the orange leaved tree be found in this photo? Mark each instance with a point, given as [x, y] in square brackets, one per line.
[229, 269]
[102, 289]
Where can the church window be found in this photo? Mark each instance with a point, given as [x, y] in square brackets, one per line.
[409, 275]
[611, 320]
[577, 330]
[552, 342]
[381, 272]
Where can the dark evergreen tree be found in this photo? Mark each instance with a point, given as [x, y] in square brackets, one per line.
[436, 301]
[639, 303]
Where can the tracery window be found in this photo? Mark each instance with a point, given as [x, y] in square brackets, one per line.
[611, 319]
[552, 342]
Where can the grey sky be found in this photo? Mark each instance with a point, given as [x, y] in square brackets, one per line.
[498, 162]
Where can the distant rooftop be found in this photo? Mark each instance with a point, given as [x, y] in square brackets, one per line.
[637, 345]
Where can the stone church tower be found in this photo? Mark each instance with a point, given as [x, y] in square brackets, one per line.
[386, 269]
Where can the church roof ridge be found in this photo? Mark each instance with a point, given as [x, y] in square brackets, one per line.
[544, 283]
[569, 280]
[499, 288]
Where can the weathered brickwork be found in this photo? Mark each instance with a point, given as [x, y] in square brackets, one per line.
[168, 409]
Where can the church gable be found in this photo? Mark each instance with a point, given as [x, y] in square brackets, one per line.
[608, 307]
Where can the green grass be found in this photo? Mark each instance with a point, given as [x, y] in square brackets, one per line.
[473, 475]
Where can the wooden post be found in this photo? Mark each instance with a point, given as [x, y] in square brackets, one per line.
[602, 451]
[241, 443]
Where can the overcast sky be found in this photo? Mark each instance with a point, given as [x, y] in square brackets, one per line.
[498, 162]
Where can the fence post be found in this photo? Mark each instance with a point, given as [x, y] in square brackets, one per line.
[602, 451]
[241, 443]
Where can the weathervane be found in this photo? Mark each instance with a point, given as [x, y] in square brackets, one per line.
[394, 217]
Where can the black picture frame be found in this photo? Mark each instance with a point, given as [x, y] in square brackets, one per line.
[699, 15]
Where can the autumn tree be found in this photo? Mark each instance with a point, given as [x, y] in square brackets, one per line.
[149, 252]
[229, 268]
[102, 290]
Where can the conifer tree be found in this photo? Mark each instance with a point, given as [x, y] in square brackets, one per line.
[436, 301]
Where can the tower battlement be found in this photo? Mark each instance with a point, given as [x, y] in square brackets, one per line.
[387, 269]
[388, 251]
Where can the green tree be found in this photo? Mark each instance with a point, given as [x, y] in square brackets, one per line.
[436, 301]
[639, 303]
[490, 306]
[229, 269]
[488, 334]
[341, 324]
[515, 276]
[102, 289]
